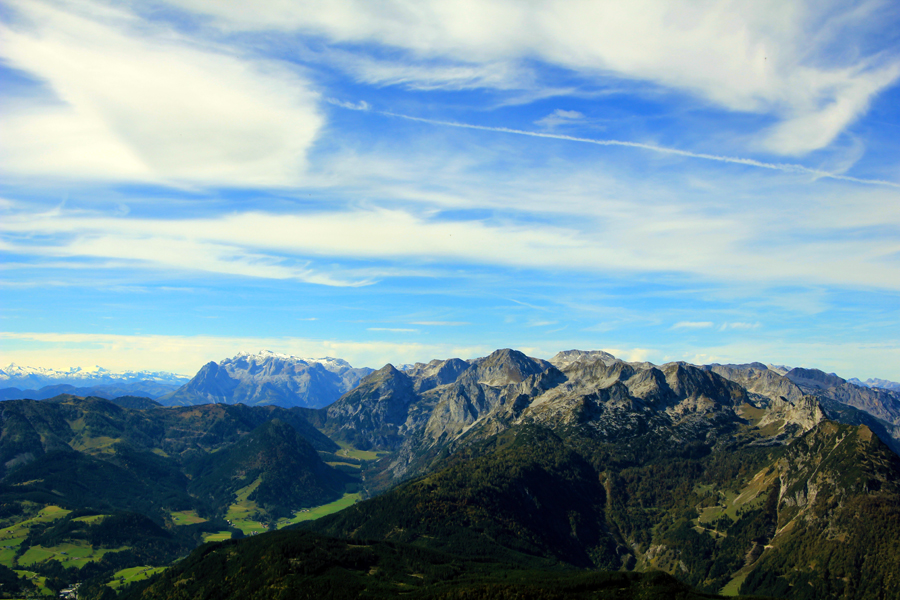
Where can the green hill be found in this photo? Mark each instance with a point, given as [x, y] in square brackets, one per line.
[92, 487]
[817, 518]
[290, 473]
[529, 498]
[293, 564]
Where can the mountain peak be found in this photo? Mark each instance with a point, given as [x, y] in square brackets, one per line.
[268, 377]
[508, 366]
[813, 379]
[328, 362]
[568, 357]
[37, 377]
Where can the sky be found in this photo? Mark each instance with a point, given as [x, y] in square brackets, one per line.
[394, 181]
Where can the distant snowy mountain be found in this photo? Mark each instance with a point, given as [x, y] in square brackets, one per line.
[877, 383]
[38, 377]
[269, 378]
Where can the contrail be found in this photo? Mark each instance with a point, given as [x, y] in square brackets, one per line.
[784, 167]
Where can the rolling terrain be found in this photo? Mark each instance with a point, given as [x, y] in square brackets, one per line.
[91, 488]
[503, 475]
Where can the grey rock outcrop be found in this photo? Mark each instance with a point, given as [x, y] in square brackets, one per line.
[269, 378]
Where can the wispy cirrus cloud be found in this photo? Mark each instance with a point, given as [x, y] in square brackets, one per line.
[771, 58]
[738, 325]
[560, 117]
[693, 325]
[295, 246]
[737, 160]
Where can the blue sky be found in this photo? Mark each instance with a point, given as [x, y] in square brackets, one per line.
[400, 181]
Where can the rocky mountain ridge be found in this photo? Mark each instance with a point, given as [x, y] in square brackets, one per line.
[876, 383]
[725, 476]
[424, 412]
[269, 378]
[760, 480]
[36, 377]
[37, 383]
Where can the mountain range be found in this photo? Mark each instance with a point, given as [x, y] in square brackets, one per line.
[501, 476]
[36, 377]
[38, 383]
[269, 378]
[876, 383]
[727, 477]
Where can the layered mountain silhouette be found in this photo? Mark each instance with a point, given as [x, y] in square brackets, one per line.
[502, 476]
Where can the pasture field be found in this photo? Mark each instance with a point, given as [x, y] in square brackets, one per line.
[320, 511]
[12, 537]
[186, 517]
[130, 575]
[732, 587]
[219, 536]
[75, 553]
[351, 452]
[239, 513]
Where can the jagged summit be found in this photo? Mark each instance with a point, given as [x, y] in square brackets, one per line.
[268, 377]
[506, 366]
[328, 362]
[567, 357]
[421, 411]
[814, 378]
[876, 383]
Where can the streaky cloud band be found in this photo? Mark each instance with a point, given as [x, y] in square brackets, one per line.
[784, 167]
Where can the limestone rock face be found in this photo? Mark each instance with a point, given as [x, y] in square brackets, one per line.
[841, 400]
[792, 417]
[758, 379]
[567, 357]
[434, 408]
[269, 378]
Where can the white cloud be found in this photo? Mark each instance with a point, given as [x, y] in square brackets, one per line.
[560, 117]
[740, 247]
[738, 325]
[693, 325]
[817, 127]
[768, 56]
[633, 354]
[139, 103]
[361, 105]
[428, 75]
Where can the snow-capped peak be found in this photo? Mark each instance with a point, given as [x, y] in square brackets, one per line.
[328, 362]
[16, 375]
